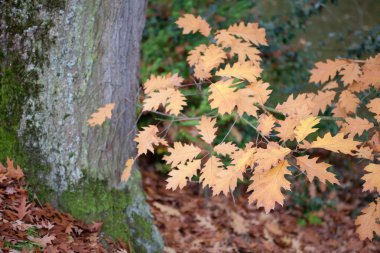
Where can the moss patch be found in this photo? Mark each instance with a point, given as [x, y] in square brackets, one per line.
[21, 54]
[91, 200]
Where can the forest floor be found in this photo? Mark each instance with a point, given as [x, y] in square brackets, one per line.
[28, 226]
[190, 222]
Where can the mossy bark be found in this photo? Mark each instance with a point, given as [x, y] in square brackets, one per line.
[93, 61]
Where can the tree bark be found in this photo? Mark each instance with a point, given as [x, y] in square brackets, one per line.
[94, 61]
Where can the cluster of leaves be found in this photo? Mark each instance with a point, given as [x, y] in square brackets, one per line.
[228, 68]
[26, 226]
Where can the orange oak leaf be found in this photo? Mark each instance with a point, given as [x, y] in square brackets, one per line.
[243, 158]
[184, 172]
[103, 113]
[368, 222]
[195, 54]
[226, 181]
[350, 73]
[314, 169]
[12, 171]
[127, 170]
[374, 107]
[250, 32]
[23, 208]
[266, 124]
[207, 129]
[261, 91]
[209, 172]
[306, 127]
[181, 153]
[225, 148]
[324, 70]
[322, 100]
[365, 152]
[244, 71]
[372, 179]
[155, 83]
[286, 128]
[225, 98]
[267, 187]
[146, 138]
[335, 143]
[356, 126]
[299, 107]
[192, 24]
[267, 157]
[348, 101]
[44, 241]
[176, 102]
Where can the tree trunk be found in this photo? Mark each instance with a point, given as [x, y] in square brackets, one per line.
[94, 61]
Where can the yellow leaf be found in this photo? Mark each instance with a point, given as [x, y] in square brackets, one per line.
[336, 143]
[209, 172]
[267, 186]
[316, 170]
[146, 138]
[305, 127]
[367, 222]
[179, 177]
[181, 153]
[192, 24]
[127, 170]
[207, 129]
[98, 117]
[372, 179]
[266, 124]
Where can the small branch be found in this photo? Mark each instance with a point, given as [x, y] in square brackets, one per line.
[229, 130]
[258, 132]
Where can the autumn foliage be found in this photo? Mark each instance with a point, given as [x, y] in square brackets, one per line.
[228, 68]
